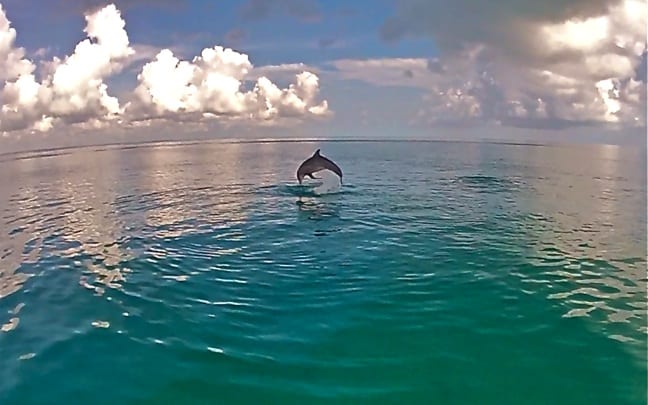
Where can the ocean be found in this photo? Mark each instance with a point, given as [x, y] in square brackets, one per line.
[439, 272]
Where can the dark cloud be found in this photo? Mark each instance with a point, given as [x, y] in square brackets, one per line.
[435, 66]
[514, 61]
[508, 26]
[468, 20]
[304, 10]
[88, 6]
[326, 42]
[61, 11]
[235, 36]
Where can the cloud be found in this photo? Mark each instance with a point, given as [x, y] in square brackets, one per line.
[386, 71]
[41, 52]
[281, 72]
[326, 42]
[304, 10]
[555, 61]
[91, 6]
[210, 85]
[235, 35]
[12, 62]
[73, 90]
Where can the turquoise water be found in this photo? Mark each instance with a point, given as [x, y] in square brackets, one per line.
[439, 273]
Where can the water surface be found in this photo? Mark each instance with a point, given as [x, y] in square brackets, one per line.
[439, 273]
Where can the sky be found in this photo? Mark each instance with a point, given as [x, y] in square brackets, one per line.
[78, 72]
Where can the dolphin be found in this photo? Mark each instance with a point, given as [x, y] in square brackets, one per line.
[315, 164]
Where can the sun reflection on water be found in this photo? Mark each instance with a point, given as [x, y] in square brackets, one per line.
[583, 235]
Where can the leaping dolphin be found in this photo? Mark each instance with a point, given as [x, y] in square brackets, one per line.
[315, 164]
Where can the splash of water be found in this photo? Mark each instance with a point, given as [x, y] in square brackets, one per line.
[330, 183]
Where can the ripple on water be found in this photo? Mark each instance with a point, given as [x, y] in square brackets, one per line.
[369, 291]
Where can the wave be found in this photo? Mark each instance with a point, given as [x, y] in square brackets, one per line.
[314, 189]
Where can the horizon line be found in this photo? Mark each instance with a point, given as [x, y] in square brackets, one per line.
[48, 152]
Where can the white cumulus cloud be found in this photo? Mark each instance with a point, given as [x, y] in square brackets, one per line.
[12, 62]
[73, 89]
[211, 85]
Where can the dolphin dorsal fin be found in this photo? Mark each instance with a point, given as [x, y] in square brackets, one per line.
[317, 153]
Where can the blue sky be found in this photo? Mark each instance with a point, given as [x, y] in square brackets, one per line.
[328, 30]
[396, 68]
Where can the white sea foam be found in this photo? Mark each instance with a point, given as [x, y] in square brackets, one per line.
[330, 183]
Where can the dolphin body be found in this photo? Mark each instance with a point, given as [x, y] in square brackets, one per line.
[315, 164]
